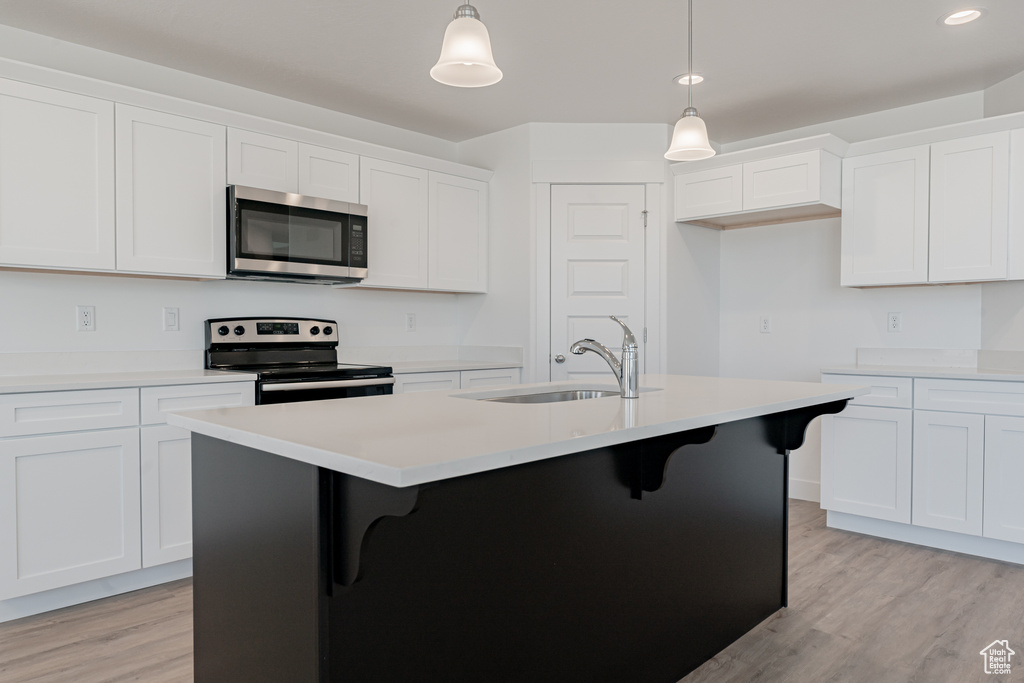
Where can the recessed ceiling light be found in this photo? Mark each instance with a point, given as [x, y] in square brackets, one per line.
[688, 79]
[963, 16]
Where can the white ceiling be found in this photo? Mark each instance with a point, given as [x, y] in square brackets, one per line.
[770, 65]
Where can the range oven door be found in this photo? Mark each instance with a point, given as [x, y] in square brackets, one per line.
[318, 390]
[275, 235]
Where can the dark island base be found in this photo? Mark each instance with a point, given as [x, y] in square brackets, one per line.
[633, 563]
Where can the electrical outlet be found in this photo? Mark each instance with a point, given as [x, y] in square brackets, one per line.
[171, 321]
[765, 324]
[85, 318]
[894, 322]
[410, 322]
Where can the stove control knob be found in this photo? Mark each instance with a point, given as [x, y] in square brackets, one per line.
[314, 330]
[239, 330]
[328, 330]
[223, 330]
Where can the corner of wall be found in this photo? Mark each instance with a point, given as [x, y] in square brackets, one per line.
[1005, 97]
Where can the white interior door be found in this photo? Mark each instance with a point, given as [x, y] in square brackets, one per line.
[597, 270]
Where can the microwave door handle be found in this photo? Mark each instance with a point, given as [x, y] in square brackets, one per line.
[331, 384]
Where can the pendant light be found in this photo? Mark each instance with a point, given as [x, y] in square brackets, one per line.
[466, 60]
[690, 136]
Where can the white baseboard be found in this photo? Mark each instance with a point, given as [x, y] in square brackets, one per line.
[37, 603]
[932, 538]
[802, 489]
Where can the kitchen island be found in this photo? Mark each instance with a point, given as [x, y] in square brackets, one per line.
[440, 536]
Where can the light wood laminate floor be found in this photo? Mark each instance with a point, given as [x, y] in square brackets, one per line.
[861, 610]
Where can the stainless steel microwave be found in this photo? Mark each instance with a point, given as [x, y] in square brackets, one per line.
[292, 238]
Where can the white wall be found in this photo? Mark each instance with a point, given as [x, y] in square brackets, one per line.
[37, 312]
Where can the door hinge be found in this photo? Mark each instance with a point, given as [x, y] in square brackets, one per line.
[645, 335]
[644, 212]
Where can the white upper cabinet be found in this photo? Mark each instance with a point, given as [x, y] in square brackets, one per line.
[765, 185]
[969, 208]
[273, 163]
[263, 161]
[171, 202]
[56, 178]
[396, 197]
[709, 193]
[328, 173]
[457, 235]
[885, 218]
[1015, 239]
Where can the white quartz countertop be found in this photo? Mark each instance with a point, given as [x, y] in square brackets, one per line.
[15, 384]
[409, 439]
[1000, 375]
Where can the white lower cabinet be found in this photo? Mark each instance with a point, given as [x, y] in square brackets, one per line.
[866, 462]
[961, 471]
[92, 486]
[166, 464]
[1004, 478]
[949, 465]
[447, 381]
[69, 509]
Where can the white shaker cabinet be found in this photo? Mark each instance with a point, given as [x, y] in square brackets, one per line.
[408, 383]
[396, 197]
[969, 209]
[1015, 239]
[885, 218]
[1004, 478]
[171, 202]
[709, 193]
[457, 233]
[56, 179]
[480, 379]
[69, 509]
[264, 161]
[328, 173]
[949, 465]
[866, 456]
[166, 477]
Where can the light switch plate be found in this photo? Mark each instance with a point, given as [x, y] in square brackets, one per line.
[171, 319]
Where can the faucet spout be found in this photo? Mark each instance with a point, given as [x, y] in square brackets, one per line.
[627, 371]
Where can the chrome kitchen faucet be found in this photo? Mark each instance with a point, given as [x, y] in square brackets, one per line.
[627, 371]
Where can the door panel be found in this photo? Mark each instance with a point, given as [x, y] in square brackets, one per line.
[597, 270]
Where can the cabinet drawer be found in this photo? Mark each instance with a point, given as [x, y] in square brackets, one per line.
[886, 392]
[970, 396]
[476, 379]
[426, 381]
[68, 411]
[158, 401]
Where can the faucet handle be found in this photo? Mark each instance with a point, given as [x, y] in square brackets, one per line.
[628, 340]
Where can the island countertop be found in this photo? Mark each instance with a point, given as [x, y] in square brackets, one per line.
[409, 439]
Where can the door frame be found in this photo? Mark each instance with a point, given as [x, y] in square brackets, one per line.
[650, 174]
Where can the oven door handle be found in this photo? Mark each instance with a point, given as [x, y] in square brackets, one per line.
[330, 384]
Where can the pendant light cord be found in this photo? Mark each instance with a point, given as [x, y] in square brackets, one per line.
[689, 55]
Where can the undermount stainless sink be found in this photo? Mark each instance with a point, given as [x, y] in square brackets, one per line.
[554, 396]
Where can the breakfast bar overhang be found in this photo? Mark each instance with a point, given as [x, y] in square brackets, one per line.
[442, 537]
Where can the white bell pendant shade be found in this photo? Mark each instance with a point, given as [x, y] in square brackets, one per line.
[466, 60]
[689, 139]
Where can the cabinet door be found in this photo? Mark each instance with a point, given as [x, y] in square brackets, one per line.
[156, 402]
[1015, 241]
[166, 464]
[56, 178]
[478, 379]
[171, 202]
[969, 209]
[396, 198]
[866, 462]
[1004, 478]
[328, 173]
[264, 161]
[790, 179]
[426, 381]
[949, 464]
[69, 509]
[457, 234]
[885, 218]
[708, 193]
